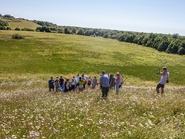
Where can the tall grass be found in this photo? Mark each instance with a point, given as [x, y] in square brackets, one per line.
[29, 111]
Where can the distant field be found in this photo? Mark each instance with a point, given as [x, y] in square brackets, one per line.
[14, 23]
[48, 53]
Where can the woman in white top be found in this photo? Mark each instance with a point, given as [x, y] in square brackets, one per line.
[164, 77]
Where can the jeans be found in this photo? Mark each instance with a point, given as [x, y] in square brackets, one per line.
[117, 88]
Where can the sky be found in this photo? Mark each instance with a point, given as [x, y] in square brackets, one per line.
[150, 16]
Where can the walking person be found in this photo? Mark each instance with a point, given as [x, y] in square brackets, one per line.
[118, 82]
[104, 83]
[163, 80]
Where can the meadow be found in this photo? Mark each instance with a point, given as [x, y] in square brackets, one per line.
[29, 110]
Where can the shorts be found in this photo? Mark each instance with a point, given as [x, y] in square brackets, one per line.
[81, 86]
[160, 86]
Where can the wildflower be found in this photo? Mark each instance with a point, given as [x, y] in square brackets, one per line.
[34, 134]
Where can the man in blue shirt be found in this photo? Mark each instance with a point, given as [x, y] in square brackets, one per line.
[104, 82]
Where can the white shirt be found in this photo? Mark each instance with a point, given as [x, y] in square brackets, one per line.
[164, 78]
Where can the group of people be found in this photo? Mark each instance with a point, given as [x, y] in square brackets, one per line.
[81, 82]
[76, 83]
[106, 81]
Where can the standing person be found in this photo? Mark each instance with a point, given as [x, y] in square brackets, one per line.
[118, 82]
[76, 80]
[112, 81]
[94, 82]
[84, 78]
[104, 83]
[57, 86]
[51, 84]
[66, 85]
[163, 80]
[73, 84]
[80, 84]
[61, 81]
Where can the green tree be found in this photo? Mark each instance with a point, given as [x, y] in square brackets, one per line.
[181, 51]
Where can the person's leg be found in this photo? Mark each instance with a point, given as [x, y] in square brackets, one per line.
[106, 92]
[103, 92]
[117, 88]
[157, 89]
[162, 90]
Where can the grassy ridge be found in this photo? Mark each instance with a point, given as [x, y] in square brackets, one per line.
[66, 54]
[14, 23]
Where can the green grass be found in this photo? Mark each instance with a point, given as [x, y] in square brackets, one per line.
[29, 110]
[70, 54]
[14, 23]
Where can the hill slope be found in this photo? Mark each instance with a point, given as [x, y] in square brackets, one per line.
[71, 54]
[20, 23]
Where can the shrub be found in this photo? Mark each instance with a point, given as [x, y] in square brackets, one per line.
[27, 29]
[17, 36]
[17, 28]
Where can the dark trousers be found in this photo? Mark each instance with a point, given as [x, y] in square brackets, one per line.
[105, 91]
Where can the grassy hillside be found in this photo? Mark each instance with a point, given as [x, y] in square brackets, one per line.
[29, 110]
[14, 23]
[47, 53]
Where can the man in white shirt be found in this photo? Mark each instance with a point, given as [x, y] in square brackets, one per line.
[164, 77]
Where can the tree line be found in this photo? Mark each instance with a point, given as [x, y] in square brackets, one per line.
[168, 43]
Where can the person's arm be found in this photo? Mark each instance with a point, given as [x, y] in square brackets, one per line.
[100, 82]
[160, 73]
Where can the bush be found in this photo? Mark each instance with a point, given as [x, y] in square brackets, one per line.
[17, 29]
[17, 36]
[27, 29]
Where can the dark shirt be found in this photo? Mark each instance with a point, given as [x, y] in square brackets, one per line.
[61, 81]
[51, 83]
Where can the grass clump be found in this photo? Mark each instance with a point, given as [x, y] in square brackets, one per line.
[17, 36]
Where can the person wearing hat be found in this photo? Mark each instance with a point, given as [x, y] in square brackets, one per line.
[118, 82]
[163, 80]
[104, 83]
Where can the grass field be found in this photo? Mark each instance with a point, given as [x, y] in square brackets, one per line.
[29, 110]
[17, 23]
[47, 53]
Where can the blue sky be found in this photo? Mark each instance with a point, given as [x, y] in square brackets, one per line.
[157, 16]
